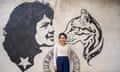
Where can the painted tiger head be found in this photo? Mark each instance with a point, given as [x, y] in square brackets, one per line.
[85, 29]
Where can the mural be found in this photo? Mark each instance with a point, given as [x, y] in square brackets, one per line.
[85, 29]
[27, 22]
[74, 62]
[29, 29]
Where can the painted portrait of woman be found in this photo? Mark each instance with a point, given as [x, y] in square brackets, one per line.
[28, 29]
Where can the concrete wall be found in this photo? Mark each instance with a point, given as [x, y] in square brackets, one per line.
[105, 12]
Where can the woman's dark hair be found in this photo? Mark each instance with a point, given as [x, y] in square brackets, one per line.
[21, 29]
[62, 34]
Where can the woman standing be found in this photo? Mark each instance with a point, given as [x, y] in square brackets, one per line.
[62, 54]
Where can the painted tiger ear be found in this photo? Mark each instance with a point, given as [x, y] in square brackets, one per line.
[84, 11]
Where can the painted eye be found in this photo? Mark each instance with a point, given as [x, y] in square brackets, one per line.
[45, 25]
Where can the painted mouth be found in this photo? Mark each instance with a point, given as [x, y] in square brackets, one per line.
[51, 38]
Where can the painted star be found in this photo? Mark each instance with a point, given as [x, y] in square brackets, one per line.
[24, 62]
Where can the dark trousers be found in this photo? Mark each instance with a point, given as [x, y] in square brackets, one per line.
[62, 64]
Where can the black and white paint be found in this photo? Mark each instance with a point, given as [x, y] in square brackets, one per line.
[22, 50]
[30, 27]
[74, 62]
[85, 29]
[26, 23]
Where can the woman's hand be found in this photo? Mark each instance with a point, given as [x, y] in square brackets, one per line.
[55, 68]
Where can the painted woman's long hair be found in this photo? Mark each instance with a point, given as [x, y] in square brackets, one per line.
[21, 29]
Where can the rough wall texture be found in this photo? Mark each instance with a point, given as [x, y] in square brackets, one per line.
[29, 29]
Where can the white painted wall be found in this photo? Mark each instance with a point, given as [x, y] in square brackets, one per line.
[106, 12]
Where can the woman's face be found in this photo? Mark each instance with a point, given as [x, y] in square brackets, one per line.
[45, 32]
[62, 39]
